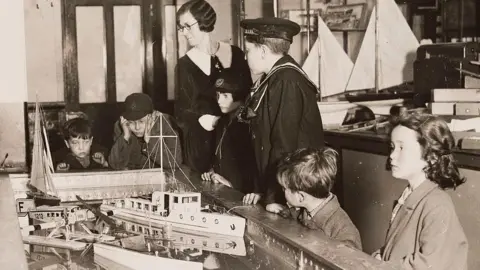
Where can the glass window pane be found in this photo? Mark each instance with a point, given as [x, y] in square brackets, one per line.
[128, 50]
[91, 54]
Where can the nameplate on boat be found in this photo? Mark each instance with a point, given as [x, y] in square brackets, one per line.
[24, 205]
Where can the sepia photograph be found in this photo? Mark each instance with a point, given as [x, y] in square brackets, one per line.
[239, 135]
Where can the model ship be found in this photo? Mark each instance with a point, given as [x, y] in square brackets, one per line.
[385, 61]
[49, 188]
[180, 209]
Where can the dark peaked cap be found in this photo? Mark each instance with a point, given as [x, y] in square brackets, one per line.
[271, 27]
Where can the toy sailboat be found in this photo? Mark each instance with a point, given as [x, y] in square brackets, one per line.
[42, 189]
[385, 60]
[386, 57]
[180, 209]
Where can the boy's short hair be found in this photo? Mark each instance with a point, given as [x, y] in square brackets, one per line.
[77, 128]
[309, 170]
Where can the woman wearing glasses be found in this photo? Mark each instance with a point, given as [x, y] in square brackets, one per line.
[196, 108]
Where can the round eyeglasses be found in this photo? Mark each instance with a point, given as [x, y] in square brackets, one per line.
[186, 27]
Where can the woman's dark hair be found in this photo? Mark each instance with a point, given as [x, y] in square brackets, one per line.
[437, 142]
[203, 13]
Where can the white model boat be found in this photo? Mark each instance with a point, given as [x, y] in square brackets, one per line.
[180, 209]
[385, 60]
[111, 257]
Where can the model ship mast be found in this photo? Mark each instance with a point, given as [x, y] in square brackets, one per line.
[40, 181]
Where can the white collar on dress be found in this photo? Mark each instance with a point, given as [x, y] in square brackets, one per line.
[202, 60]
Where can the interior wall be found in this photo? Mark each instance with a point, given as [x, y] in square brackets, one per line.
[13, 81]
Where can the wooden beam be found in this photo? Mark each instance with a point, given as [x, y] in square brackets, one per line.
[110, 78]
[69, 51]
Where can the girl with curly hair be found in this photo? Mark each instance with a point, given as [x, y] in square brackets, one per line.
[424, 231]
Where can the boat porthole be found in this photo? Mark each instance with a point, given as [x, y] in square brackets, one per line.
[192, 218]
[217, 245]
[232, 227]
[181, 216]
[216, 221]
[193, 241]
[204, 219]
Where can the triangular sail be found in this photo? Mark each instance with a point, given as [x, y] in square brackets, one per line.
[397, 46]
[41, 174]
[335, 65]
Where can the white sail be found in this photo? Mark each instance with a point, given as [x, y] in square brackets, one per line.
[335, 65]
[41, 174]
[397, 46]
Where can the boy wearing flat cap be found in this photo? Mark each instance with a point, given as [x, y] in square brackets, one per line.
[136, 137]
[282, 108]
[234, 161]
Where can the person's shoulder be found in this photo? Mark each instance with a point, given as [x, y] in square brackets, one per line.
[439, 198]
[236, 50]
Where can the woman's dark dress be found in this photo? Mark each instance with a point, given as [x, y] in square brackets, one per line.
[196, 96]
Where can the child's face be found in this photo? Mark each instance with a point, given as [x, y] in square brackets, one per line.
[406, 156]
[80, 147]
[226, 103]
[138, 126]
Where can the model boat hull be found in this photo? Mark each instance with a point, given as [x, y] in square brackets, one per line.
[183, 238]
[216, 223]
[97, 185]
[333, 113]
[119, 258]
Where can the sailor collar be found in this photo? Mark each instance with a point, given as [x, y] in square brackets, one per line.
[203, 60]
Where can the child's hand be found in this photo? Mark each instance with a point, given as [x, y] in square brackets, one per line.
[207, 176]
[125, 128]
[63, 167]
[252, 198]
[208, 121]
[275, 208]
[99, 158]
[151, 119]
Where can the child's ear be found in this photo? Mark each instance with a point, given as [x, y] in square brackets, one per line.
[302, 196]
[66, 143]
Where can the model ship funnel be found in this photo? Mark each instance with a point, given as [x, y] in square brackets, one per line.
[335, 66]
[396, 50]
